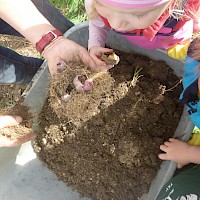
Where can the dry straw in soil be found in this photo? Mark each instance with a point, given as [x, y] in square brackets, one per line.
[81, 106]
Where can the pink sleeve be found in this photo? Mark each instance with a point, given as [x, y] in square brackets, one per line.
[98, 31]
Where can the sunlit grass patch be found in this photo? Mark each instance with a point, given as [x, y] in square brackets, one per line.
[74, 10]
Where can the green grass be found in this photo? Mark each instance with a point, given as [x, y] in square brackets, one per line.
[74, 10]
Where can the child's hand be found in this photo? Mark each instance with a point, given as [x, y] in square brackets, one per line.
[175, 150]
[96, 53]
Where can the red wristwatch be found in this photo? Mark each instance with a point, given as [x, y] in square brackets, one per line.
[47, 39]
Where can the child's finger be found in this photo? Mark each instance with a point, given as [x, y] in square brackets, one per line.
[172, 139]
[163, 147]
[106, 50]
[163, 156]
[98, 61]
[167, 143]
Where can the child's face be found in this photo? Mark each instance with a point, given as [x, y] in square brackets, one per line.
[127, 19]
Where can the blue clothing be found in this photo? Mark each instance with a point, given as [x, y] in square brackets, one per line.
[15, 68]
[190, 94]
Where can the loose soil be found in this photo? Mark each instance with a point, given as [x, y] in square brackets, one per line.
[105, 143]
[11, 94]
[22, 129]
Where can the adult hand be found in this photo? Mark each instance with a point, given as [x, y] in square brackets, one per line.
[96, 53]
[177, 151]
[63, 51]
[6, 121]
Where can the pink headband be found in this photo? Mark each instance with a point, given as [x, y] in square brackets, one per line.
[135, 3]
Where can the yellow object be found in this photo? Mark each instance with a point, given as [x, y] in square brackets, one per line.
[179, 51]
[195, 140]
[111, 58]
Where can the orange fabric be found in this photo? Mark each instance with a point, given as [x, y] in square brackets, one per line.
[152, 30]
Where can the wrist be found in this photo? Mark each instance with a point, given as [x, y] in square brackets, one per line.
[46, 39]
[52, 47]
[189, 153]
[193, 154]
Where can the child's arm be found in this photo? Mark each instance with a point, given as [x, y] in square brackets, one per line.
[98, 31]
[98, 34]
[180, 152]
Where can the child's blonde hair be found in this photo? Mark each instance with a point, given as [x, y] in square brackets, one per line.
[93, 12]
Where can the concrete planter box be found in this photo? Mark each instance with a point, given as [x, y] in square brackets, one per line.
[23, 176]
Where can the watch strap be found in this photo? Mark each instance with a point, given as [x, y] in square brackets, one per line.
[47, 39]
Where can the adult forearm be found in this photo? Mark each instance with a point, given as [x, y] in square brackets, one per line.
[25, 18]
